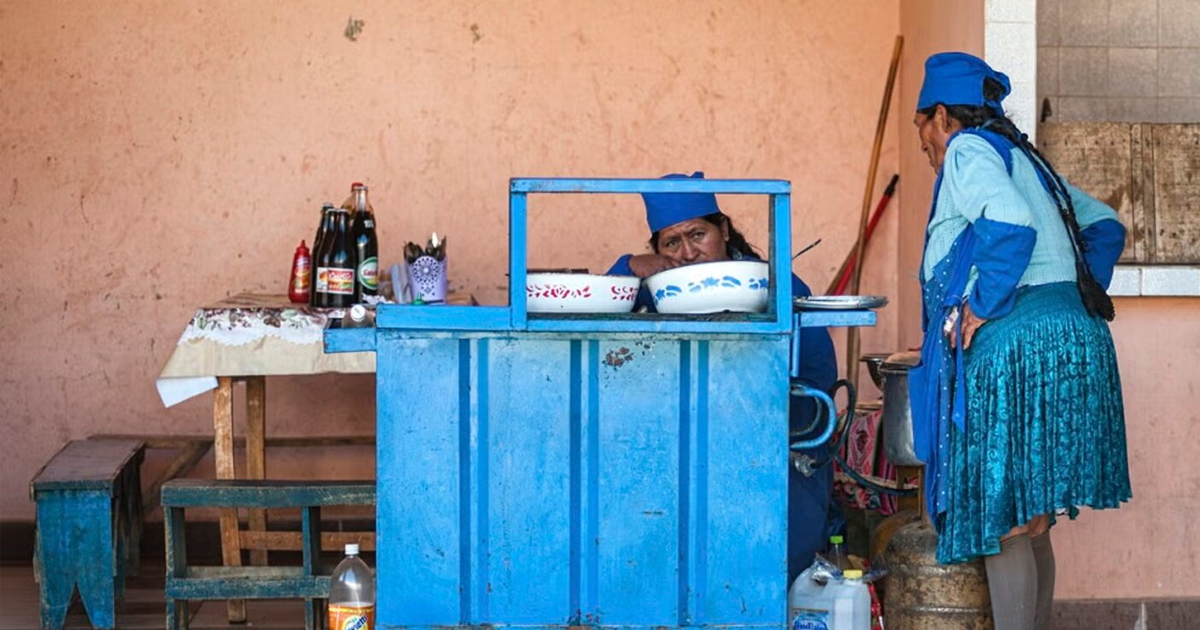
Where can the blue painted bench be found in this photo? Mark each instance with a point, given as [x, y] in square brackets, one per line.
[89, 528]
[309, 582]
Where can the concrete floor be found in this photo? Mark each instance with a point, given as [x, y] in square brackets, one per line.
[144, 608]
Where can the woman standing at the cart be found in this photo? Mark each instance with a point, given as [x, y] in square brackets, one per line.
[1017, 407]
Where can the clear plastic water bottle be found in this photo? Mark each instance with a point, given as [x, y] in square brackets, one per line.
[851, 602]
[837, 553]
[352, 594]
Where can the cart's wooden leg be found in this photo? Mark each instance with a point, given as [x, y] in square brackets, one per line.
[231, 548]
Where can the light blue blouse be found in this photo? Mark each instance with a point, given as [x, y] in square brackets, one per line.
[976, 184]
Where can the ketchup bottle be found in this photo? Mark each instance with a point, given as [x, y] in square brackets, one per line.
[299, 283]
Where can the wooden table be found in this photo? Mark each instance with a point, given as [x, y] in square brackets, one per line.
[245, 339]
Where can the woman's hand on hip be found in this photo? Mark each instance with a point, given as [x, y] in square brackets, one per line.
[646, 265]
[970, 324]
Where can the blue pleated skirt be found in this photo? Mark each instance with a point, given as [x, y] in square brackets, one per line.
[1045, 424]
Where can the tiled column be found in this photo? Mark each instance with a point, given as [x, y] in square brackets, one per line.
[1010, 45]
[1134, 61]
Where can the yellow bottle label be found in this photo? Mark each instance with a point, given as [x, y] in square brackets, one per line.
[350, 617]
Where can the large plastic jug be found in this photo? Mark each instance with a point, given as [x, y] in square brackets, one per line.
[809, 604]
[851, 602]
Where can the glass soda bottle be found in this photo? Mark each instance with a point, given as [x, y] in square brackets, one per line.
[320, 284]
[366, 246]
[352, 594]
[322, 226]
[337, 259]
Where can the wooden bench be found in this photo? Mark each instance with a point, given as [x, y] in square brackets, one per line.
[309, 582]
[89, 528]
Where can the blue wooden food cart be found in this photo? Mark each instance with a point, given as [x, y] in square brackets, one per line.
[545, 471]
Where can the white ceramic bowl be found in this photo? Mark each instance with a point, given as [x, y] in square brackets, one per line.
[740, 286]
[580, 293]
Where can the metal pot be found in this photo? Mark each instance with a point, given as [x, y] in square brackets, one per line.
[897, 416]
[874, 361]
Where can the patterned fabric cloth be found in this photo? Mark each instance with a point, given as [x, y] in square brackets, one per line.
[254, 334]
[248, 317]
[863, 453]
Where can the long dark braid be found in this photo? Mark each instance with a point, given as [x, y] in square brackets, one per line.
[1095, 299]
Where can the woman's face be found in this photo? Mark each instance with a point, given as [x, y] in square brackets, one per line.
[935, 131]
[694, 241]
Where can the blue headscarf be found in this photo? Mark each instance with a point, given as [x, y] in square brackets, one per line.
[666, 209]
[955, 78]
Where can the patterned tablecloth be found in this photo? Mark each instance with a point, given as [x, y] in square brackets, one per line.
[253, 335]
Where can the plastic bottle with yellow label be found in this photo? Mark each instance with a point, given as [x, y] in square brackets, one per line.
[352, 594]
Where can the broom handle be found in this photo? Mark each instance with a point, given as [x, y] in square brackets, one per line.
[852, 341]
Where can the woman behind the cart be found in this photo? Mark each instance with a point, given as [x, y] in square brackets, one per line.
[688, 228]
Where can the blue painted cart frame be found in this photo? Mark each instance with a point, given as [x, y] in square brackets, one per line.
[608, 471]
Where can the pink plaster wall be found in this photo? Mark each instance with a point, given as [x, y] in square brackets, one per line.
[160, 155]
[1151, 546]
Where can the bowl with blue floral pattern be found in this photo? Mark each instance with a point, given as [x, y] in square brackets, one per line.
[736, 286]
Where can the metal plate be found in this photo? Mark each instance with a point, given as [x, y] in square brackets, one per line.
[839, 302]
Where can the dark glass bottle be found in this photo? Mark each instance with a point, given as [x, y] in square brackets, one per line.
[320, 285]
[366, 246]
[326, 208]
[340, 262]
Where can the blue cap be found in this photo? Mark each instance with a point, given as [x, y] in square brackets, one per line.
[666, 209]
[956, 78]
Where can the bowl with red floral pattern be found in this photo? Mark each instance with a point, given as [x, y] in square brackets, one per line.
[580, 293]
